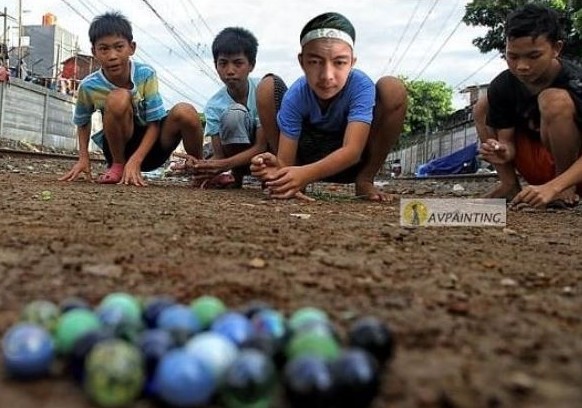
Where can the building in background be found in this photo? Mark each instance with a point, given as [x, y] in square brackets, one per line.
[475, 92]
[74, 69]
[44, 47]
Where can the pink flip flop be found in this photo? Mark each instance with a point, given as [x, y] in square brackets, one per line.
[220, 181]
[113, 174]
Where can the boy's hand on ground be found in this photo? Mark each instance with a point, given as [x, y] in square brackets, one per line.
[287, 182]
[132, 174]
[495, 152]
[210, 167]
[536, 196]
[83, 166]
[189, 164]
[264, 166]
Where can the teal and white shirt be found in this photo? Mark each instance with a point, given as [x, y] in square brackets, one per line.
[148, 105]
[221, 101]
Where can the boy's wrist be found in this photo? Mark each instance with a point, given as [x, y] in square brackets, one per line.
[226, 163]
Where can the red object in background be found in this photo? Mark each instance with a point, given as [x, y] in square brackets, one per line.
[49, 19]
[79, 66]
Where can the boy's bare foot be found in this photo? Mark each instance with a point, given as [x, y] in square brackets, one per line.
[367, 190]
[568, 197]
[503, 191]
[221, 181]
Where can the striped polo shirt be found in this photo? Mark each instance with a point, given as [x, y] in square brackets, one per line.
[148, 105]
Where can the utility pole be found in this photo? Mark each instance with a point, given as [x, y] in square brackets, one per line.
[5, 15]
[18, 72]
[3, 45]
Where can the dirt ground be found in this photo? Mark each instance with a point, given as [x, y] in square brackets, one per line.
[483, 317]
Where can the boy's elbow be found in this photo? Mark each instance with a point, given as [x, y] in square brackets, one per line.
[353, 157]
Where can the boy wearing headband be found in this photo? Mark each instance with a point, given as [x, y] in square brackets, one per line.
[335, 124]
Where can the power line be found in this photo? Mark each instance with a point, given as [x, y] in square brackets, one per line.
[77, 12]
[415, 35]
[439, 50]
[442, 27]
[478, 70]
[161, 76]
[142, 54]
[195, 32]
[206, 70]
[178, 79]
[89, 8]
[384, 69]
[202, 18]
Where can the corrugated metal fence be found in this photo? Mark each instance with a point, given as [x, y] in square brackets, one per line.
[433, 146]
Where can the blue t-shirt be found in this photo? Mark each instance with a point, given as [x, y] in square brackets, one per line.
[148, 105]
[354, 103]
[221, 101]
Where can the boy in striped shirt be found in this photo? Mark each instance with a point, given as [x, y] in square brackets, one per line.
[138, 133]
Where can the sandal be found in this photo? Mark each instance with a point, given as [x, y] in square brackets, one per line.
[113, 174]
[220, 181]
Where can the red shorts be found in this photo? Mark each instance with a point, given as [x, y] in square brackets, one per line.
[533, 161]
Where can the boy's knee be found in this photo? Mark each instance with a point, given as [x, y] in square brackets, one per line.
[555, 103]
[266, 86]
[392, 92]
[270, 91]
[118, 102]
[184, 113]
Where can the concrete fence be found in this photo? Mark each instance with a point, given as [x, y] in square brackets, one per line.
[37, 115]
[433, 146]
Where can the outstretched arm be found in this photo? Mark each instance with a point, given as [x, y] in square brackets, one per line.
[218, 163]
[539, 196]
[132, 170]
[83, 165]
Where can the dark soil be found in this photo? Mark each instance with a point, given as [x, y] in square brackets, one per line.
[484, 317]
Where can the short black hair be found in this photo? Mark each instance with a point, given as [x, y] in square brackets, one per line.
[534, 20]
[235, 40]
[329, 20]
[110, 23]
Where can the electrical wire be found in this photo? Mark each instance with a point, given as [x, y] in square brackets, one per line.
[430, 61]
[408, 23]
[443, 26]
[420, 27]
[205, 69]
[493, 57]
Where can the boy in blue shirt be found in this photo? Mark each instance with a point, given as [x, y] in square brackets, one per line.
[138, 134]
[241, 116]
[336, 124]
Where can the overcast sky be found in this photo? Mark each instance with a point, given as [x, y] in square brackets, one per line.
[397, 37]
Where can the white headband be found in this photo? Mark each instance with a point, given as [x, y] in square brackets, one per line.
[332, 33]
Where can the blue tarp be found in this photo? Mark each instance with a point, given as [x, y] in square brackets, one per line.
[460, 162]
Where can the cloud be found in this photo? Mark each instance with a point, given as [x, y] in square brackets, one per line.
[380, 26]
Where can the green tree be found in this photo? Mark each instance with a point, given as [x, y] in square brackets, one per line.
[493, 13]
[429, 104]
